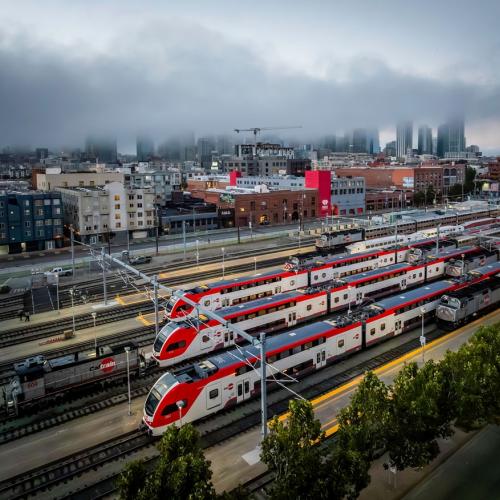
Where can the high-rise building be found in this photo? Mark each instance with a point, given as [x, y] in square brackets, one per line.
[451, 137]
[102, 148]
[359, 140]
[145, 148]
[390, 148]
[206, 145]
[404, 138]
[373, 141]
[424, 140]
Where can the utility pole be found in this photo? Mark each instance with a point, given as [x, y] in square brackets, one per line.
[104, 288]
[155, 291]
[72, 236]
[127, 351]
[197, 253]
[184, 237]
[263, 388]
[239, 239]
[437, 240]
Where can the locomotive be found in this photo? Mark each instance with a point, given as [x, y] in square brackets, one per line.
[37, 380]
[194, 336]
[231, 377]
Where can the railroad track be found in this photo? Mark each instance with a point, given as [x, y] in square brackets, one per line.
[214, 429]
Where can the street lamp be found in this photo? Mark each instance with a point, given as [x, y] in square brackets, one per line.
[197, 253]
[127, 351]
[223, 270]
[180, 405]
[349, 299]
[57, 293]
[423, 340]
[255, 263]
[94, 315]
[72, 293]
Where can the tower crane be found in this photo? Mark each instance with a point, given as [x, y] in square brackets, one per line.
[257, 130]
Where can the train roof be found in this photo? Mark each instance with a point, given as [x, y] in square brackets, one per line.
[452, 251]
[273, 343]
[487, 269]
[375, 272]
[235, 281]
[476, 287]
[412, 295]
[264, 301]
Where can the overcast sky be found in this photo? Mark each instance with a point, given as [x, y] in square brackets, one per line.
[73, 67]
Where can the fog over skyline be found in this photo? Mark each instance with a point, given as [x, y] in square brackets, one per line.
[70, 69]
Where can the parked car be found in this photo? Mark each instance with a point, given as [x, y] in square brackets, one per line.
[140, 259]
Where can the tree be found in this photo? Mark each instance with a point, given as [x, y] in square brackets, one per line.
[419, 198]
[475, 372]
[181, 471]
[430, 195]
[131, 480]
[420, 412]
[290, 451]
[362, 424]
[470, 176]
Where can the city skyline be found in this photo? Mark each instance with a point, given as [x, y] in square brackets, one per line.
[158, 68]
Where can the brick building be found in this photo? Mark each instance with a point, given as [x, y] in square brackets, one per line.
[494, 170]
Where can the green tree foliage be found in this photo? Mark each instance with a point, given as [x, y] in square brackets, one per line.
[419, 198]
[290, 451]
[362, 424]
[420, 412]
[470, 176]
[475, 372]
[131, 480]
[181, 471]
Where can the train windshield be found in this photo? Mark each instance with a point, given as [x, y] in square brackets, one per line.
[163, 384]
[446, 300]
[170, 304]
[166, 331]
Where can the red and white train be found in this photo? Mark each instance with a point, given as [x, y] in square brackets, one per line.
[194, 336]
[293, 276]
[226, 379]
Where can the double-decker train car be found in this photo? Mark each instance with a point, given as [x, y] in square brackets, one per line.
[224, 380]
[195, 336]
[294, 275]
[402, 239]
[37, 381]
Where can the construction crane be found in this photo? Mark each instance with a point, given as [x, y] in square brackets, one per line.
[257, 130]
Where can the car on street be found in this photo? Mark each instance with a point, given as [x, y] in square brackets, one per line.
[140, 259]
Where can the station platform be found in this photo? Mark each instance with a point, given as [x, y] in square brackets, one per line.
[234, 461]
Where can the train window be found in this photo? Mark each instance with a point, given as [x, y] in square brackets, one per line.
[207, 303]
[292, 282]
[336, 299]
[341, 343]
[345, 296]
[297, 349]
[321, 340]
[323, 275]
[262, 312]
[247, 386]
[176, 345]
[281, 307]
[240, 389]
[437, 268]
[382, 326]
[271, 310]
[272, 359]
[306, 346]
[213, 393]
[315, 276]
[205, 338]
[226, 337]
[309, 307]
[372, 331]
[169, 409]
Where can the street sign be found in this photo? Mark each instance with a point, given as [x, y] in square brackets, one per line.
[423, 340]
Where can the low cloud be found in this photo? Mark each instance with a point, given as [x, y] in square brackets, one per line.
[172, 77]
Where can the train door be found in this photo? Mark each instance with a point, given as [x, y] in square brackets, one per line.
[292, 318]
[359, 297]
[214, 396]
[225, 302]
[243, 390]
[277, 289]
[321, 358]
[403, 283]
[398, 327]
[228, 338]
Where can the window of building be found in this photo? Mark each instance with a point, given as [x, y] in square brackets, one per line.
[118, 224]
[37, 203]
[140, 223]
[27, 212]
[117, 206]
[57, 210]
[117, 216]
[40, 211]
[38, 223]
[117, 197]
[81, 183]
[46, 202]
[48, 222]
[139, 205]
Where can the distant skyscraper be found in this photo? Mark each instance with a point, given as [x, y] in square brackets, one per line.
[145, 148]
[359, 140]
[451, 137]
[103, 148]
[404, 138]
[390, 148]
[424, 140]
[205, 147]
[373, 141]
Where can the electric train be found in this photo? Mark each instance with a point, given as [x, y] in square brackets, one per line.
[231, 377]
[194, 336]
[293, 276]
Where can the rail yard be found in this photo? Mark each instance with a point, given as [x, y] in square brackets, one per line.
[92, 380]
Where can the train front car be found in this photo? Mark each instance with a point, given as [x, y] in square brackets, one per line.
[190, 393]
